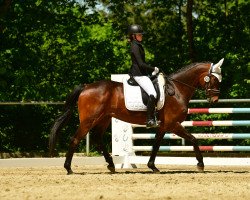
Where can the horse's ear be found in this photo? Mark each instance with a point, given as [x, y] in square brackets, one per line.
[218, 65]
[216, 70]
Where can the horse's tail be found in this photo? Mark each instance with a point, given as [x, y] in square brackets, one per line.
[63, 119]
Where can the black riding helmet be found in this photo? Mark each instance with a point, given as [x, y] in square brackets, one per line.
[135, 29]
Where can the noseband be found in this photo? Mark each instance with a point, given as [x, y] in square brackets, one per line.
[210, 92]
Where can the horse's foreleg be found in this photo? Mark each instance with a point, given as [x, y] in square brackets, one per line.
[181, 131]
[98, 132]
[151, 163]
[72, 147]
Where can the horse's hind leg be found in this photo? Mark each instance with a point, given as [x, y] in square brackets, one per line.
[181, 131]
[79, 135]
[97, 133]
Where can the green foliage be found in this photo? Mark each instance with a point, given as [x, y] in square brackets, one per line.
[48, 47]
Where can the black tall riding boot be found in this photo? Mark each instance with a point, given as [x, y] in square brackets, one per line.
[151, 122]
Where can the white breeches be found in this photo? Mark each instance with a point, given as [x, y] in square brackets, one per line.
[146, 84]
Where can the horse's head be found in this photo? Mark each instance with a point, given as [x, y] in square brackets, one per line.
[211, 82]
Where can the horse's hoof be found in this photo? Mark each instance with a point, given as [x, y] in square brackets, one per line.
[70, 172]
[200, 167]
[111, 169]
[156, 171]
[151, 165]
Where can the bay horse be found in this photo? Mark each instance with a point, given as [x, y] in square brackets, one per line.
[100, 101]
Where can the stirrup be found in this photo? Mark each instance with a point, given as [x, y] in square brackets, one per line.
[152, 124]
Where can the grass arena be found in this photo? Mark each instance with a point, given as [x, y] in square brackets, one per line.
[96, 182]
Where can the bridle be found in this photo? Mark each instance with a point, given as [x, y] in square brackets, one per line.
[208, 91]
[211, 92]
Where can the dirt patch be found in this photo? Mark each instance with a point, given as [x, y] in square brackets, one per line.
[95, 182]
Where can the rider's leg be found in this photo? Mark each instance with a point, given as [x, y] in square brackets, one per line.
[147, 85]
[151, 122]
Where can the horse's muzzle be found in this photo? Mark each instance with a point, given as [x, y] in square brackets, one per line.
[213, 99]
[213, 95]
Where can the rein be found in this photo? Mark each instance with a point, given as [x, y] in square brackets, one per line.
[208, 91]
[171, 79]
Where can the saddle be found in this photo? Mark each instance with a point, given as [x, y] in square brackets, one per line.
[136, 98]
[132, 82]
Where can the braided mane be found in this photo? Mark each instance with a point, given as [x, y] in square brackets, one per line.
[186, 68]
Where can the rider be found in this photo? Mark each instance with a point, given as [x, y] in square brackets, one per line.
[140, 71]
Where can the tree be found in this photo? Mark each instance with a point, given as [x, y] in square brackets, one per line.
[47, 47]
[190, 29]
[4, 7]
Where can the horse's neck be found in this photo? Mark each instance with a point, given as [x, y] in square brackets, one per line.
[190, 76]
[188, 80]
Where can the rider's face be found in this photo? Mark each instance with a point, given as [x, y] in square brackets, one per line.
[138, 37]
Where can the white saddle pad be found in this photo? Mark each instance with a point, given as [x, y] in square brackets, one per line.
[133, 97]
